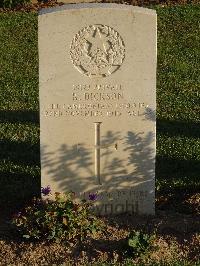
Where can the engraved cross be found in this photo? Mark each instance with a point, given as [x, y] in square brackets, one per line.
[98, 147]
[97, 151]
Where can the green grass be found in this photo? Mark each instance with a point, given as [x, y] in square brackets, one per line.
[178, 102]
[178, 105]
[19, 105]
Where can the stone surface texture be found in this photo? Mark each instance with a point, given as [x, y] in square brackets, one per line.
[97, 68]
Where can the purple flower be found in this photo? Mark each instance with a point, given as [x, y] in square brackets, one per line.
[93, 196]
[45, 190]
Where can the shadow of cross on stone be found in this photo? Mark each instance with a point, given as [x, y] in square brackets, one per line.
[97, 150]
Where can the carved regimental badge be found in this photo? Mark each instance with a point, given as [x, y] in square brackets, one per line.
[97, 51]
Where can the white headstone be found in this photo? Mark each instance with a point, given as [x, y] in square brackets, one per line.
[97, 68]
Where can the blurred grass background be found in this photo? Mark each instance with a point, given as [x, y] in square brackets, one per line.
[178, 107]
[19, 108]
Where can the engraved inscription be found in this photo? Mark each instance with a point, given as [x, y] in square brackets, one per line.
[97, 96]
[97, 51]
[135, 194]
[98, 100]
[98, 110]
[97, 92]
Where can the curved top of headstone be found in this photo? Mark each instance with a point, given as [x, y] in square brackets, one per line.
[97, 5]
[97, 78]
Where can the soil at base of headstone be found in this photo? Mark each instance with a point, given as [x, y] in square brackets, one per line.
[177, 238]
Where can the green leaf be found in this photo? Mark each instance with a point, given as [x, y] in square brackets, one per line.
[26, 236]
